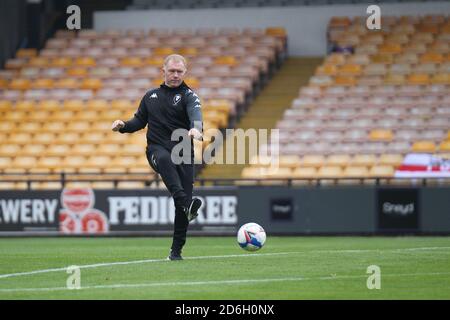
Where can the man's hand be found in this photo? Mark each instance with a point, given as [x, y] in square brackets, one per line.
[117, 125]
[195, 134]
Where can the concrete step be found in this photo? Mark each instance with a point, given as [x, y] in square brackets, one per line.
[269, 106]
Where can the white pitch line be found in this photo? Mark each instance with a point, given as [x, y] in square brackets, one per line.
[381, 250]
[217, 282]
[157, 284]
[107, 264]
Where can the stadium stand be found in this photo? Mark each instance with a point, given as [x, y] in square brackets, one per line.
[367, 107]
[57, 105]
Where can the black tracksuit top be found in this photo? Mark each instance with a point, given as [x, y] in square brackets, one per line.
[164, 110]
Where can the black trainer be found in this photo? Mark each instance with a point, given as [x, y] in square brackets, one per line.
[192, 213]
[174, 255]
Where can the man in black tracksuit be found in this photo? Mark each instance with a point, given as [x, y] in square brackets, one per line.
[166, 109]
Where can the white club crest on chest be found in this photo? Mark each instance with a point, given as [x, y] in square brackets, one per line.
[176, 99]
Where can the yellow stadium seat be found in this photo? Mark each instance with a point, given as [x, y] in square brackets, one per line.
[408, 57]
[131, 61]
[63, 115]
[381, 135]
[83, 149]
[77, 72]
[67, 83]
[320, 81]
[107, 149]
[39, 62]
[85, 62]
[25, 162]
[93, 84]
[92, 137]
[163, 51]
[304, 173]
[432, 57]
[226, 60]
[390, 48]
[73, 162]
[46, 185]
[98, 104]
[356, 172]
[45, 138]
[43, 84]
[315, 161]
[192, 82]
[394, 79]
[275, 172]
[330, 172]
[340, 160]
[19, 84]
[188, 51]
[33, 149]
[390, 159]
[428, 28]
[289, 161]
[5, 162]
[345, 81]
[444, 146]
[424, 146]
[154, 61]
[26, 53]
[382, 171]
[49, 105]
[397, 38]
[5, 105]
[102, 185]
[439, 47]
[7, 185]
[58, 150]
[54, 126]
[122, 104]
[15, 116]
[95, 164]
[73, 104]
[419, 79]
[367, 160]
[50, 163]
[20, 138]
[78, 184]
[3, 83]
[327, 69]
[350, 69]
[64, 62]
[440, 78]
[382, 58]
[130, 185]
[124, 162]
[252, 173]
[156, 82]
[335, 59]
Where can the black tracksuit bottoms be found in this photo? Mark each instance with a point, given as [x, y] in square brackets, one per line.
[179, 180]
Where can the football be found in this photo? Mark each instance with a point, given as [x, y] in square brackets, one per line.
[251, 236]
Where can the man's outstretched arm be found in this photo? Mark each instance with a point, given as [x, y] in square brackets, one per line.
[138, 122]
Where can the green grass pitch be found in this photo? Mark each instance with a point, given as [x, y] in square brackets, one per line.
[217, 268]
